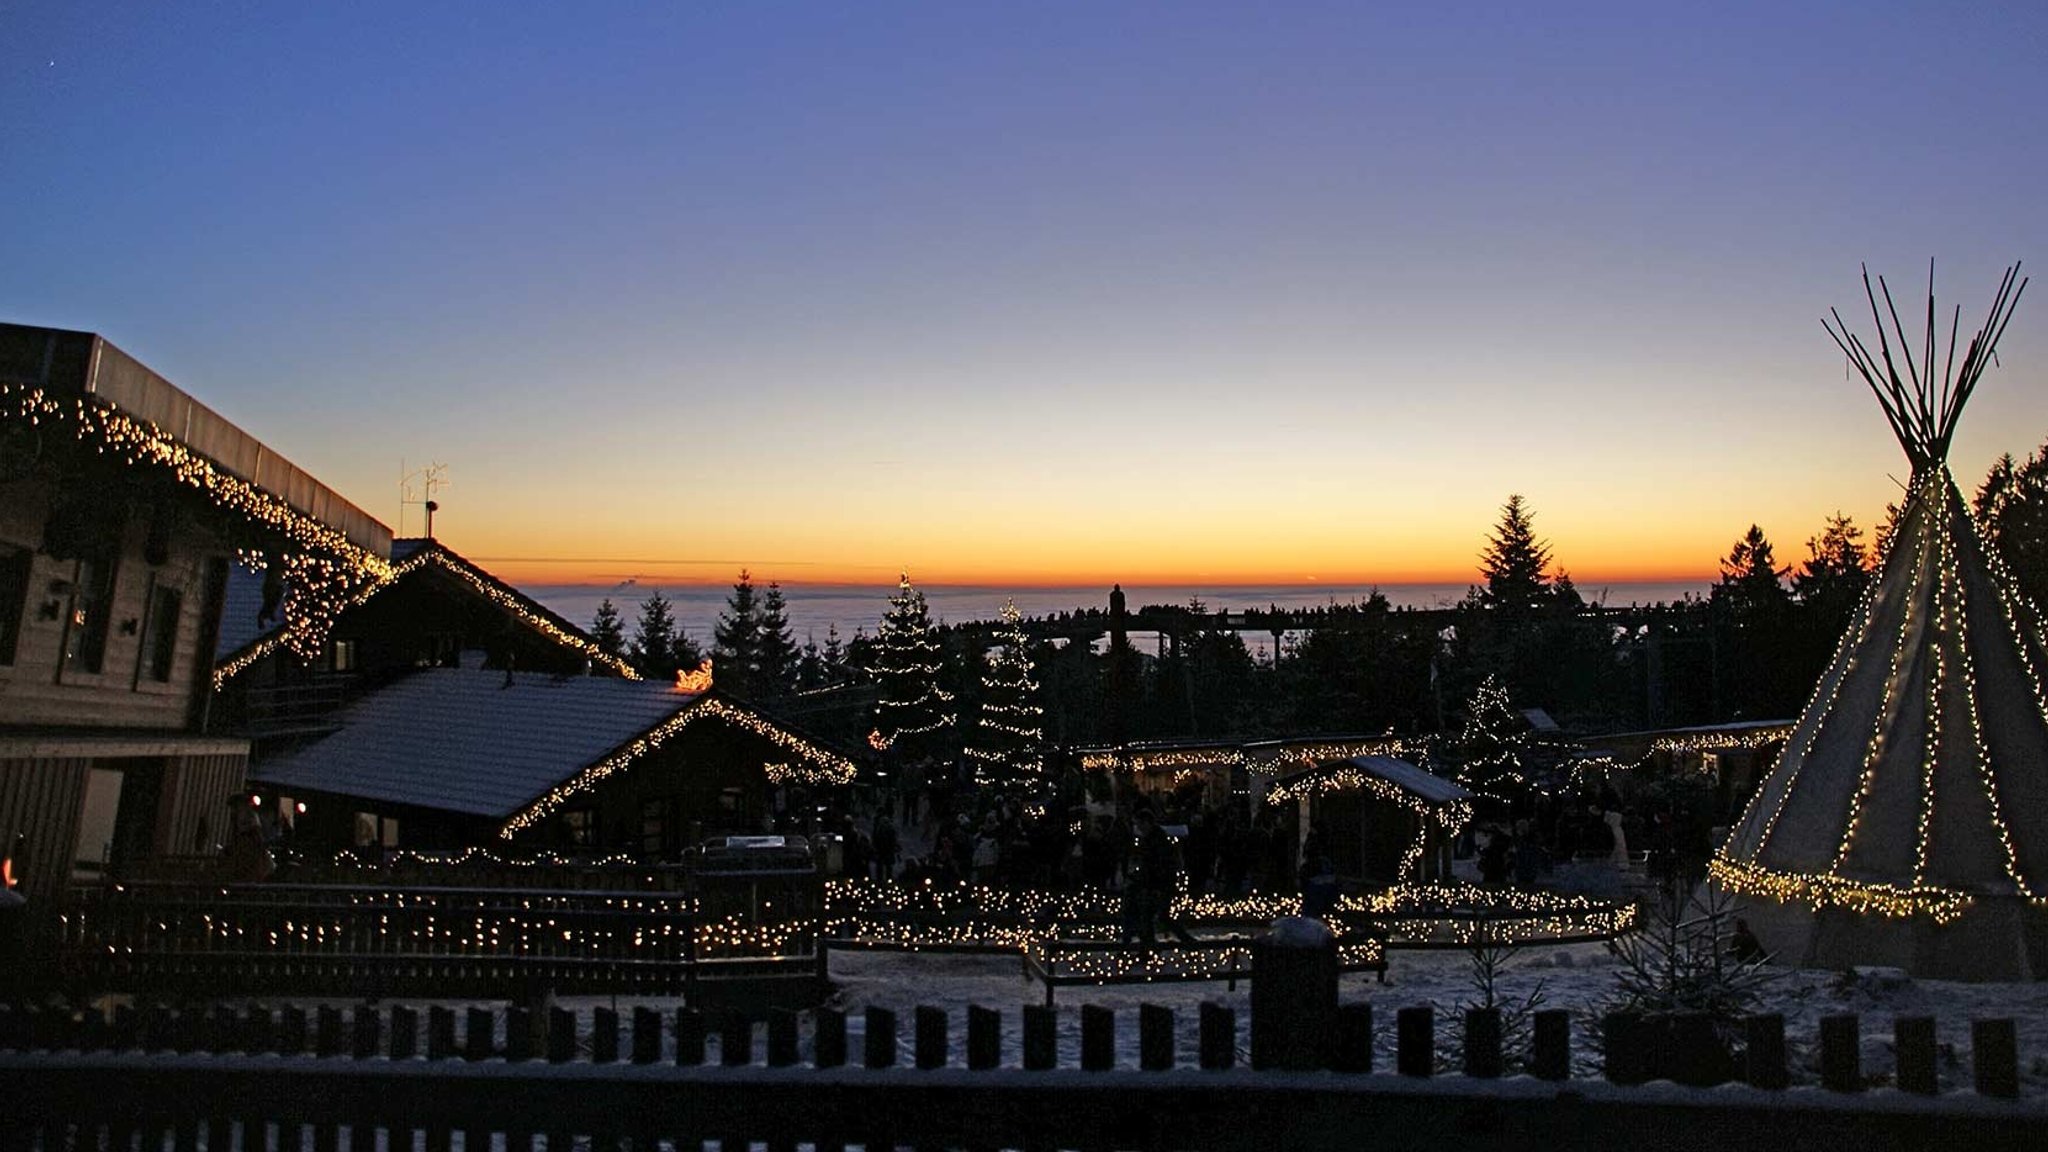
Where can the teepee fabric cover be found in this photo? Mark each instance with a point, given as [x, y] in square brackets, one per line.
[1906, 823]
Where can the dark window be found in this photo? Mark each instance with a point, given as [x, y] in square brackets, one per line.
[14, 564]
[654, 826]
[582, 826]
[160, 632]
[92, 603]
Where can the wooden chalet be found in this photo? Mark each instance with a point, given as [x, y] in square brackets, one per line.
[123, 502]
[468, 757]
[1384, 821]
[437, 610]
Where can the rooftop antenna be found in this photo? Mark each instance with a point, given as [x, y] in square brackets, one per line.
[418, 487]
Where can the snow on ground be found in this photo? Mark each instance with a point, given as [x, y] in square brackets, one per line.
[1578, 978]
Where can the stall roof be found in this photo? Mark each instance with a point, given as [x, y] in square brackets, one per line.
[1426, 786]
[475, 741]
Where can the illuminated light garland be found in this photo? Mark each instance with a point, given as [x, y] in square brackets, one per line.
[323, 572]
[825, 766]
[509, 601]
[908, 658]
[1467, 914]
[1451, 816]
[1822, 891]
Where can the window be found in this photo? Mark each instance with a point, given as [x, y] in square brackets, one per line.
[13, 597]
[85, 633]
[373, 830]
[97, 818]
[654, 827]
[581, 824]
[160, 633]
[341, 656]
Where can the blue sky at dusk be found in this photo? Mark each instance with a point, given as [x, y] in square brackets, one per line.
[1039, 292]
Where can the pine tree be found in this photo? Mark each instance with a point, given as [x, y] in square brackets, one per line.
[2012, 507]
[736, 643]
[1751, 582]
[914, 715]
[607, 630]
[775, 659]
[1836, 570]
[1007, 747]
[834, 655]
[688, 657]
[653, 649]
[1513, 563]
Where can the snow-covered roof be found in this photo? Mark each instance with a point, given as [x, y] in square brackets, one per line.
[474, 740]
[1411, 779]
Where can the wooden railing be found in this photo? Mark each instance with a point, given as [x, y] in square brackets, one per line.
[224, 1081]
[333, 939]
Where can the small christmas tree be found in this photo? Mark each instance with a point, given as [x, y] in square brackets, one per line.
[914, 715]
[1492, 745]
[1007, 748]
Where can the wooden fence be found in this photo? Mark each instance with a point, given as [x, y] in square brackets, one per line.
[252, 1081]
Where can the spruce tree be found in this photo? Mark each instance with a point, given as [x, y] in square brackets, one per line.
[688, 657]
[775, 656]
[736, 643]
[2012, 509]
[608, 630]
[653, 649]
[834, 655]
[914, 715]
[1752, 585]
[1007, 747]
[1513, 563]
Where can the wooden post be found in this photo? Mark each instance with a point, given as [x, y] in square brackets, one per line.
[1098, 1038]
[1155, 1038]
[880, 1041]
[366, 1026]
[646, 1035]
[1415, 1041]
[405, 1032]
[604, 1035]
[984, 1038]
[1621, 1036]
[440, 1032]
[1764, 1042]
[828, 1040]
[1218, 1043]
[1841, 1054]
[126, 1033]
[561, 1036]
[782, 1038]
[1995, 1057]
[1482, 1043]
[689, 1037]
[289, 1036]
[1041, 1037]
[518, 1034]
[1915, 1053]
[255, 1031]
[327, 1034]
[1550, 1055]
[479, 1035]
[929, 1044]
[736, 1040]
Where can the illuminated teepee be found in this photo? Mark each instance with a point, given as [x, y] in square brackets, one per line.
[1906, 823]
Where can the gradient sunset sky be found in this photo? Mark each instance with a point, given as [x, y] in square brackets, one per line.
[1040, 292]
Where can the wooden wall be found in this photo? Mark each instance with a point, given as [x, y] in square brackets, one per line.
[196, 794]
[36, 690]
[40, 798]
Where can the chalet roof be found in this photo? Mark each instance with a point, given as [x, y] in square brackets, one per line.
[87, 366]
[241, 633]
[473, 740]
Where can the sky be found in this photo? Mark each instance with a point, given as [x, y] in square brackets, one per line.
[1046, 293]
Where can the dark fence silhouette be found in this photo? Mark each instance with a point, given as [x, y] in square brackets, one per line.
[251, 1080]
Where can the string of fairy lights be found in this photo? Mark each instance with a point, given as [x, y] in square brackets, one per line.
[510, 602]
[322, 568]
[822, 766]
[907, 666]
[1450, 816]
